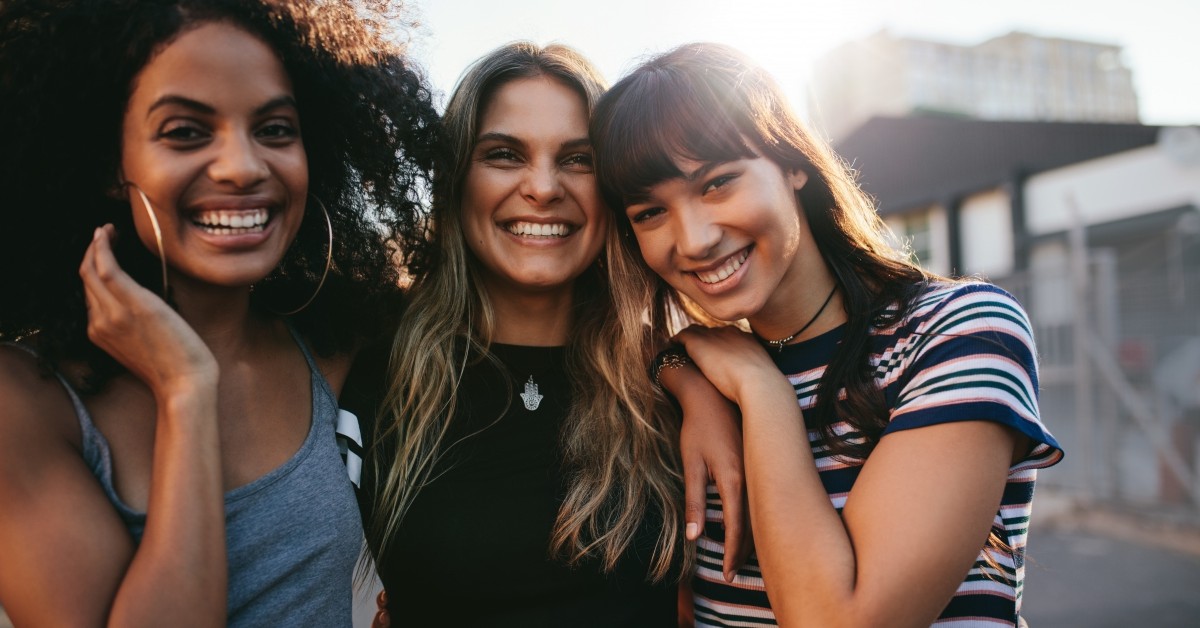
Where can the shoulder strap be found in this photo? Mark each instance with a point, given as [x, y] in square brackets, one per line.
[346, 428]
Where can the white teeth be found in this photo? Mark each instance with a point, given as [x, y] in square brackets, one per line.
[727, 269]
[539, 230]
[230, 222]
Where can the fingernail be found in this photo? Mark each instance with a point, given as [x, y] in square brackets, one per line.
[691, 531]
[96, 234]
[729, 576]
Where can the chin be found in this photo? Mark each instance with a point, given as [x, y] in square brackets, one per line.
[726, 311]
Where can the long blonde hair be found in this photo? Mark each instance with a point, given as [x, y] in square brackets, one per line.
[619, 442]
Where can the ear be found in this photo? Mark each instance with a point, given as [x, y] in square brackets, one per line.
[797, 178]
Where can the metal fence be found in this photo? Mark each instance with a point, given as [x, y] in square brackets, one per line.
[1120, 372]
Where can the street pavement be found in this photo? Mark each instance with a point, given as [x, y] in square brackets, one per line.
[1077, 579]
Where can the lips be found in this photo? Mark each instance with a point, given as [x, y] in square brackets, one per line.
[723, 271]
[232, 221]
[539, 230]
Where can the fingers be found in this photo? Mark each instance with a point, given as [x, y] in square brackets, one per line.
[99, 268]
[108, 271]
[695, 486]
[685, 605]
[382, 618]
[97, 297]
[106, 264]
[737, 524]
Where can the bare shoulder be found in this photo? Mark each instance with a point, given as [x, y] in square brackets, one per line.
[36, 406]
[55, 512]
[38, 425]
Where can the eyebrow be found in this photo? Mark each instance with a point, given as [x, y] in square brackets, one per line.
[702, 171]
[643, 196]
[274, 103]
[579, 142]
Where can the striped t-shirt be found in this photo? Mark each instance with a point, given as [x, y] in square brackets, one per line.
[965, 351]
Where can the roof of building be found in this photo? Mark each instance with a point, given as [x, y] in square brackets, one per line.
[916, 161]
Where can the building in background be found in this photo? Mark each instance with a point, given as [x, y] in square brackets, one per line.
[1017, 76]
[1095, 227]
[954, 188]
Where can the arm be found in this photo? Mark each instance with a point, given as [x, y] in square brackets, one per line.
[710, 442]
[854, 570]
[65, 549]
[179, 569]
[62, 540]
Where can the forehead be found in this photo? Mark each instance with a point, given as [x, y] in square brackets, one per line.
[535, 106]
[213, 61]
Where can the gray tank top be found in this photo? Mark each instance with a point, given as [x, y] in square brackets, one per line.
[292, 536]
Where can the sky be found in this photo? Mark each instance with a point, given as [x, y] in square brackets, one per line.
[1161, 38]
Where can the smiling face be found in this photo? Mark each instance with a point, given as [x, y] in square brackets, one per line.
[731, 237]
[531, 212]
[211, 135]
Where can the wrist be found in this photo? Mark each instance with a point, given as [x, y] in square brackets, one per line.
[193, 388]
[769, 386]
[673, 357]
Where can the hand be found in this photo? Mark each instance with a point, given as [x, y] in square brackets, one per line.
[138, 328]
[710, 443]
[728, 357]
[382, 619]
[685, 606]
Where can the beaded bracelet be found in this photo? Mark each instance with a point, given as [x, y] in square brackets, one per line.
[673, 357]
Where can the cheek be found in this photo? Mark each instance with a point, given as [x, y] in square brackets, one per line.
[475, 204]
[296, 175]
[655, 248]
[143, 224]
[470, 225]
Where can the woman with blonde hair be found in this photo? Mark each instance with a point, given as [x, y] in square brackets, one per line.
[525, 470]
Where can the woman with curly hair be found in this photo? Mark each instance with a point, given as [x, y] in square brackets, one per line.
[195, 192]
[890, 417]
[525, 470]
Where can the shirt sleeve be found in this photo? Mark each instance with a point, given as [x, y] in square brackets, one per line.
[970, 357]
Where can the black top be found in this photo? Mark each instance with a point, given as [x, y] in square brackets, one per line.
[474, 548]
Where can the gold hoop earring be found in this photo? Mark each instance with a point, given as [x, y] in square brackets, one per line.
[162, 254]
[328, 260]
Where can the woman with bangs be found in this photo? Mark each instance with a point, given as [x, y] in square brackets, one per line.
[524, 470]
[194, 195]
[890, 418]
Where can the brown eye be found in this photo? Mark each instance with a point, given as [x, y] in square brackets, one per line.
[718, 182]
[579, 161]
[646, 214]
[182, 132]
[279, 132]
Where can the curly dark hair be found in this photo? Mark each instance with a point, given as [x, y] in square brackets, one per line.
[371, 134]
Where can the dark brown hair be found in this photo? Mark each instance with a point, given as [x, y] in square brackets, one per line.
[67, 69]
[708, 103]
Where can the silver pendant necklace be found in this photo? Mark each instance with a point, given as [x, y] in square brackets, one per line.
[531, 397]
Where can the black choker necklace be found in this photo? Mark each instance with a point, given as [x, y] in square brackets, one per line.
[778, 344]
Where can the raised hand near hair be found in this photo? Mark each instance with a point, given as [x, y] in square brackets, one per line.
[138, 328]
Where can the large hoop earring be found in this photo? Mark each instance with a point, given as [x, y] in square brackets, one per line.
[162, 254]
[328, 259]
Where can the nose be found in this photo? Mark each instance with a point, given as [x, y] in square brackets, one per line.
[541, 185]
[696, 234]
[238, 162]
